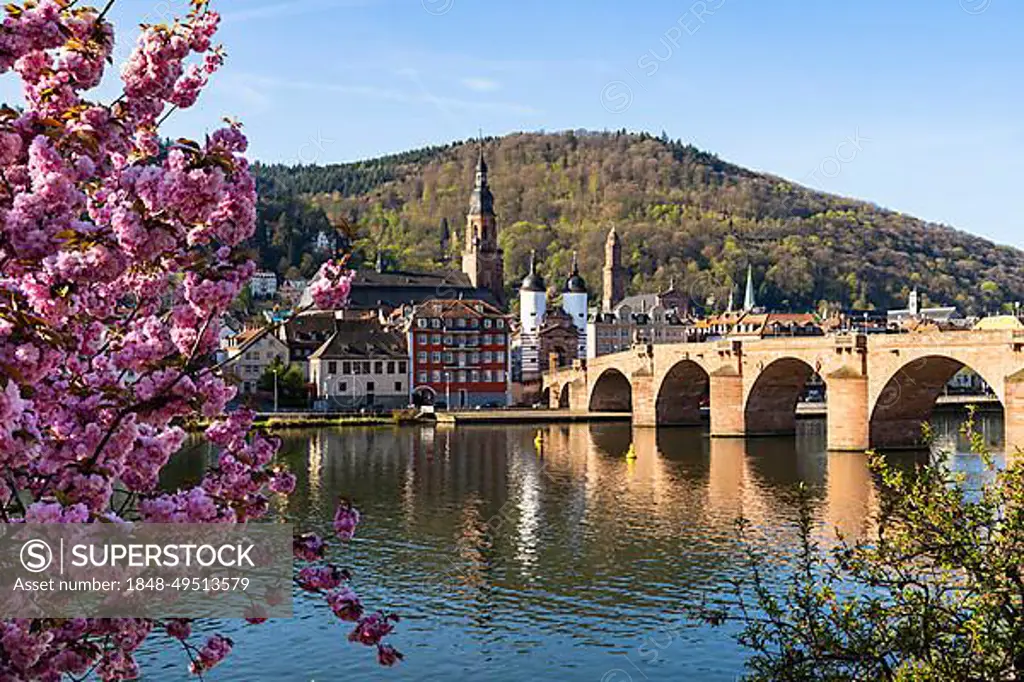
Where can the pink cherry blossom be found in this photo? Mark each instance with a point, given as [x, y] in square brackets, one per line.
[119, 257]
[331, 286]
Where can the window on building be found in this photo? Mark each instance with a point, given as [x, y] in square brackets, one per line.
[378, 367]
[401, 367]
[436, 375]
[356, 368]
[461, 377]
[499, 376]
[366, 368]
[421, 338]
[488, 356]
[421, 323]
[474, 358]
[499, 356]
[500, 323]
[343, 387]
[475, 375]
[346, 367]
[487, 376]
[447, 339]
[435, 356]
[421, 356]
[370, 387]
[255, 355]
[435, 339]
[487, 323]
[435, 323]
[487, 339]
[474, 323]
[461, 323]
[398, 387]
[462, 359]
[421, 377]
[332, 367]
[391, 367]
[449, 358]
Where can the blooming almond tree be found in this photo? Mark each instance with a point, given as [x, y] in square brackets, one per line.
[118, 257]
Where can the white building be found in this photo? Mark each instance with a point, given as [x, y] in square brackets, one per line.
[250, 354]
[360, 366]
[914, 312]
[326, 242]
[263, 284]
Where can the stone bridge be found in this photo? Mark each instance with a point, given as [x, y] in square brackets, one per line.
[880, 388]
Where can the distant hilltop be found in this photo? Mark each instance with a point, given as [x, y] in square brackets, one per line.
[684, 215]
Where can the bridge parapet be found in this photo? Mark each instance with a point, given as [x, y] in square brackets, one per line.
[851, 343]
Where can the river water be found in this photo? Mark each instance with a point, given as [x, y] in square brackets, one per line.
[572, 563]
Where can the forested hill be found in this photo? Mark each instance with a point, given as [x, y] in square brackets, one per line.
[682, 213]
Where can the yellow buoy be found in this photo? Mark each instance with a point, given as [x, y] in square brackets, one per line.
[631, 453]
[538, 442]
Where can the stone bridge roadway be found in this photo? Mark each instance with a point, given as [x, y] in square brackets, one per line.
[880, 388]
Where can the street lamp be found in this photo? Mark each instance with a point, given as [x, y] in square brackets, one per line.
[275, 389]
[448, 391]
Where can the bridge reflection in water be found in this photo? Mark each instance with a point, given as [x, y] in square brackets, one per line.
[507, 563]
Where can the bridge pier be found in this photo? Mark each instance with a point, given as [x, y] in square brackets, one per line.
[848, 411]
[727, 417]
[578, 398]
[645, 411]
[1013, 414]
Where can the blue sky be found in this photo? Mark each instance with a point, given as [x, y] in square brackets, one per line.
[915, 105]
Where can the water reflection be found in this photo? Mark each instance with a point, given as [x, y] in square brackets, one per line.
[510, 561]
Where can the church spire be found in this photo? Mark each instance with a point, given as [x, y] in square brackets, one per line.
[481, 255]
[481, 202]
[748, 299]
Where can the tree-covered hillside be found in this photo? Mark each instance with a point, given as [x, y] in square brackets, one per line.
[682, 214]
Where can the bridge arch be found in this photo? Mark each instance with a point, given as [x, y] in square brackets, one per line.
[683, 391]
[908, 398]
[770, 407]
[611, 392]
[563, 396]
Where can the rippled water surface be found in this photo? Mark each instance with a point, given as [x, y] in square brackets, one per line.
[508, 564]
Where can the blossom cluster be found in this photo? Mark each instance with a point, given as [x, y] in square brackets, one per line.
[119, 255]
[321, 578]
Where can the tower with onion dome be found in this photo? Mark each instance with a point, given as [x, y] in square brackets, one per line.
[574, 304]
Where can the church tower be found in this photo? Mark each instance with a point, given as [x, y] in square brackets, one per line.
[482, 260]
[614, 289]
